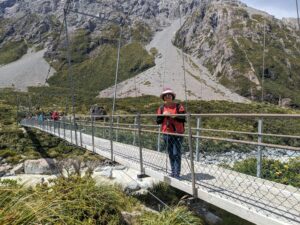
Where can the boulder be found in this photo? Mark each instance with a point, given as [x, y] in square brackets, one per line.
[132, 187]
[40, 166]
[212, 219]
[130, 217]
[18, 169]
[106, 171]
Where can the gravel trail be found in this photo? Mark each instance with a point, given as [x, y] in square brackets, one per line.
[30, 70]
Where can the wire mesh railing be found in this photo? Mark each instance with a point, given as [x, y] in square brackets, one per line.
[252, 160]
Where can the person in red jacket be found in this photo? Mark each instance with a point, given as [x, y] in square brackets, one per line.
[55, 115]
[172, 123]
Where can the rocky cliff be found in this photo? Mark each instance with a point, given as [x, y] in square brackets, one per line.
[228, 39]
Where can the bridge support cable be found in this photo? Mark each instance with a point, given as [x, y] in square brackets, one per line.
[186, 108]
[298, 19]
[183, 60]
[70, 75]
[263, 56]
[115, 92]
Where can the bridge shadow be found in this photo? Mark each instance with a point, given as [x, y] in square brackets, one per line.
[198, 176]
[36, 143]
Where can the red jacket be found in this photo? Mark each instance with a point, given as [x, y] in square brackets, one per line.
[168, 124]
[55, 115]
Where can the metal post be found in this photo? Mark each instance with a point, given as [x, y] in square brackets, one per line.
[93, 135]
[197, 139]
[64, 126]
[59, 128]
[103, 131]
[259, 151]
[194, 190]
[138, 125]
[117, 130]
[80, 133]
[71, 130]
[158, 138]
[134, 132]
[111, 138]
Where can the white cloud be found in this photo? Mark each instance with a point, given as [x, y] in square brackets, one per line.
[278, 8]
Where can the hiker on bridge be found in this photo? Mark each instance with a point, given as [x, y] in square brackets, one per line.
[172, 124]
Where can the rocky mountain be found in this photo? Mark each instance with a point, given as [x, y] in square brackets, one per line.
[222, 40]
[228, 39]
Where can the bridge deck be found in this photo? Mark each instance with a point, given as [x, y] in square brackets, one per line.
[254, 199]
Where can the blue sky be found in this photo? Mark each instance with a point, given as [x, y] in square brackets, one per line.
[278, 8]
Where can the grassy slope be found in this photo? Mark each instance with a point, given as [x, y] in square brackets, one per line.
[98, 73]
[12, 51]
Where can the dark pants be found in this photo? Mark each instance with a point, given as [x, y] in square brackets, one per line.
[173, 144]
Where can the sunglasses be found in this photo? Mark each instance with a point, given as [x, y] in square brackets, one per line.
[168, 95]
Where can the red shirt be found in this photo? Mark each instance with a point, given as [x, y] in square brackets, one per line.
[171, 125]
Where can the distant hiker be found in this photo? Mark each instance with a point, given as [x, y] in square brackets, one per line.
[55, 115]
[171, 125]
[97, 112]
[41, 118]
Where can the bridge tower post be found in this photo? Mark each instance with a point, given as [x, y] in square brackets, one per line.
[259, 149]
[158, 138]
[64, 127]
[142, 171]
[93, 133]
[134, 132]
[197, 139]
[71, 130]
[190, 141]
[117, 134]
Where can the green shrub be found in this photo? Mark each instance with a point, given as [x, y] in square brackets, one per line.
[12, 51]
[7, 153]
[274, 170]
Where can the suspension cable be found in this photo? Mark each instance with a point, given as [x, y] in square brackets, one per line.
[183, 60]
[298, 19]
[70, 72]
[263, 72]
[117, 71]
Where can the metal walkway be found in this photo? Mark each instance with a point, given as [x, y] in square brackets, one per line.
[254, 199]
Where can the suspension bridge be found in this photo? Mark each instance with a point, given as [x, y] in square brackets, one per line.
[133, 141]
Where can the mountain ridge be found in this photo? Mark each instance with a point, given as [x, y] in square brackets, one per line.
[226, 52]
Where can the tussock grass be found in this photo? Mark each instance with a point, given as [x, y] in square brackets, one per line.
[72, 200]
[176, 216]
